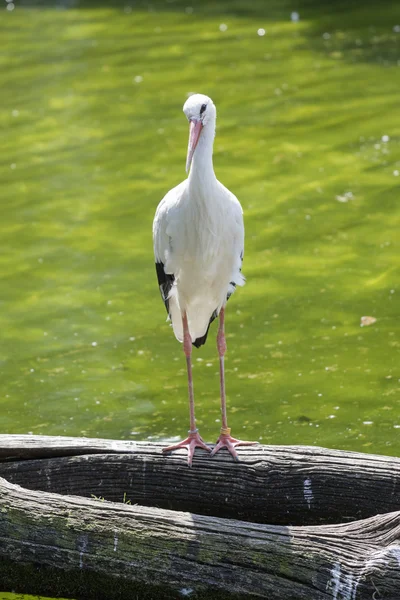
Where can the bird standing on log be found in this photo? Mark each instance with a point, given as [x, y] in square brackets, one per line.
[198, 236]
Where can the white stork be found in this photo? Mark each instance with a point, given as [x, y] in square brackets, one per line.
[198, 236]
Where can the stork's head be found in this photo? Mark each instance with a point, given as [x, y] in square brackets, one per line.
[200, 112]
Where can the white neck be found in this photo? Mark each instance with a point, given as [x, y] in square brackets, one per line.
[202, 169]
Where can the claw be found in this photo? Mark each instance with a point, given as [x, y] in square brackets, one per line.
[192, 442]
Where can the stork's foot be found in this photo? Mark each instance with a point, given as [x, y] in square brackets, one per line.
[225, 440]
[191, 442]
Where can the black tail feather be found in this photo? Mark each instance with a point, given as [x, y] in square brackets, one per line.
[200, 341]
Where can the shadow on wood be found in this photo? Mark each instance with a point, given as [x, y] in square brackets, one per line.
[56, 541]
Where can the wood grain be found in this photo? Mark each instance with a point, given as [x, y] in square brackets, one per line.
[52, 542]
[296, 485]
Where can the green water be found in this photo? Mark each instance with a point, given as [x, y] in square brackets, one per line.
[94, 135]
[308, 138]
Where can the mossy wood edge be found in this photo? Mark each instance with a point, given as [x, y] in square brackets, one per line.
[60, 544]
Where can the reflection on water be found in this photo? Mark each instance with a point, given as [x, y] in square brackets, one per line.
[308, 139]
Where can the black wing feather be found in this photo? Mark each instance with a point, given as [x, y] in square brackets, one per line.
[165, 281]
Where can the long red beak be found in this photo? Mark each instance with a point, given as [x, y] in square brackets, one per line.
[194, 134]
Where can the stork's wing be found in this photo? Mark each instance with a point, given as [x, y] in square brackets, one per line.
[238, 243]
[162, 243]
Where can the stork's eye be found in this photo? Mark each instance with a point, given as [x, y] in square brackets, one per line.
[203, 108]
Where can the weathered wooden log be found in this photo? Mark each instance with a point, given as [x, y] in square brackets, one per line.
[85, 548]
[129, 546]
[281, 485]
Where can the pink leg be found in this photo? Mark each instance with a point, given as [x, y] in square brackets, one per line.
[193, 440]
[225, 440]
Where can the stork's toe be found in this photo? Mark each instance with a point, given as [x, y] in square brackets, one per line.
[230, 443]
[192, 442]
